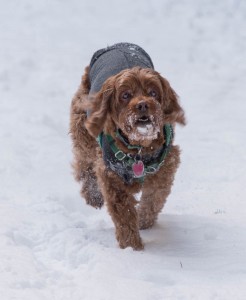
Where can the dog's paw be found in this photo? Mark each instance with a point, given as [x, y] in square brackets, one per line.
[145, 224]
[129, 238]
[92, 197]
[145, 219]
[96, 202]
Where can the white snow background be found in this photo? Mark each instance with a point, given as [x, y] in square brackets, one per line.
[53, 246]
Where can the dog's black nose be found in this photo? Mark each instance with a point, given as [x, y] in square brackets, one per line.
[142, 106]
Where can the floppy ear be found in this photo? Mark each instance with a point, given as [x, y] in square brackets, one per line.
[173, 112]
[98, 109]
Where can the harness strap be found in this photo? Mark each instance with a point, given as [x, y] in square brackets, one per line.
[122, 163]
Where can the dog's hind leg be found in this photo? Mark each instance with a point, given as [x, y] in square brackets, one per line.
[84, 173]
[84, 150]
[90, 190]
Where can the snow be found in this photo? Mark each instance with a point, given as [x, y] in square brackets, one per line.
[146, 130]
[52, 245]
[143, 131]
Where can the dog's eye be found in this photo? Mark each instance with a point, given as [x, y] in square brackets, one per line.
[152, 93]
[126, 95]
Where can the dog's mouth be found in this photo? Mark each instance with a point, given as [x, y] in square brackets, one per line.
[142, 129]
[143, 121]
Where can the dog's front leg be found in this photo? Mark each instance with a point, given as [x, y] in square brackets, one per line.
[124, 215]
[156, 190]
[150, 205]
[121, 207]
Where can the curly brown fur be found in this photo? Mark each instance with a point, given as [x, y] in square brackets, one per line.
[84, 147]
[126, 101]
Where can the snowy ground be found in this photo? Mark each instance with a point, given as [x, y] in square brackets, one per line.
[52, 245]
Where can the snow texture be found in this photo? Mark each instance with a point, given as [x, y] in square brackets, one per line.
[52, 245]
[143, 131]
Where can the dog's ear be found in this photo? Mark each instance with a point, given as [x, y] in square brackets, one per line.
[98, 107]
[173, 112]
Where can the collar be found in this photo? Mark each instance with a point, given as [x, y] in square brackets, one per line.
[134, 167]
[125, 141]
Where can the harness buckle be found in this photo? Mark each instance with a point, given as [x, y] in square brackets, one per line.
[151, 170]
[120, 155]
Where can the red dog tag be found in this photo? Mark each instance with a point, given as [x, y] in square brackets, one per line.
[138, 168]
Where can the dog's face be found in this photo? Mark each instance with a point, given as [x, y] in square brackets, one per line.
[137, 107]
[136, 101]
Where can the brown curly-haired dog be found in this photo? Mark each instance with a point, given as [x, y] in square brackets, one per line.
[133, 115]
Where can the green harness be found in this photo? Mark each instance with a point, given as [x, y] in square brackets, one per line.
[134, 167]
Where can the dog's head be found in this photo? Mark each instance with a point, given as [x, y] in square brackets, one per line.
[136, 101]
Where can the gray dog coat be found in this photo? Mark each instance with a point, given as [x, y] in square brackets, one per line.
[114, 59]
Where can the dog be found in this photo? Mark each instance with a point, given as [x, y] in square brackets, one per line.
[122, 124]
